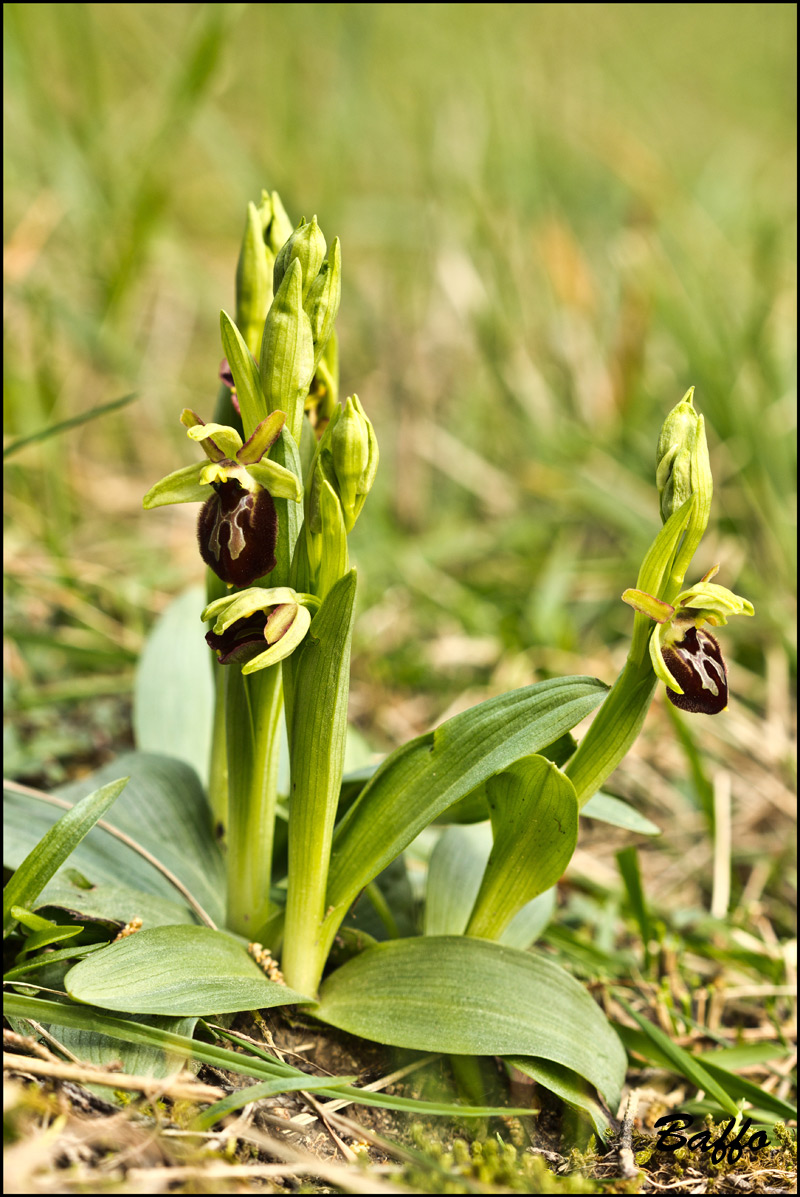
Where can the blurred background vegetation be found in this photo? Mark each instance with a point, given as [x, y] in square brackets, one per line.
[554, 220]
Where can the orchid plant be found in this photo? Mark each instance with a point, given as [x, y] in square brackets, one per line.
[286, 474]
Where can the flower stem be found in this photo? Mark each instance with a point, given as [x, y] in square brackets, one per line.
[614, 729]
[253, 710]
[218, 764]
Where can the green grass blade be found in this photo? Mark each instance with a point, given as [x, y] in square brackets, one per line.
[684, 1063]
[65, 425]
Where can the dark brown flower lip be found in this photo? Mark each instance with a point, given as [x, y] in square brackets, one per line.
[240, 642]
[697, 664]
[237, 532]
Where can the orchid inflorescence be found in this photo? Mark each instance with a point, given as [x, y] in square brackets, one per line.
[286, 474]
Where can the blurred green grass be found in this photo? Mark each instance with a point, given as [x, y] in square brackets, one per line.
[554, 218]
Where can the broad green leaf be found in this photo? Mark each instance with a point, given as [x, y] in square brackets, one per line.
[567, 1085]
[474, 997]
[138, 1059]
[176, 971]
[534, 813]
[608, 809]
[455, 870]
[163, 808]
[173, 696]
[53, 848]
[684, 1063]
[422, 779]
[250, 1062]
[118, 903]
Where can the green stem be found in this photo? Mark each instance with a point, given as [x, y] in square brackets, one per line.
[615, 727]
[218, 765]
[253, 710]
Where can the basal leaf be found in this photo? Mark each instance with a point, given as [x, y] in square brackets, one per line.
[567, 1085]
[164, 808]
[534, 811]
[176, 971]
[455, 870]
[474, 997]
[55, 846]
[173, 696]
[422, 779]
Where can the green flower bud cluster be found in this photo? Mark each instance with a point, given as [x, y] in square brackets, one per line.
[299, 324]
[339, 480]
[266, 229]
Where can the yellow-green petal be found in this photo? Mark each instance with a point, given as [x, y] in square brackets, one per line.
[659, 665]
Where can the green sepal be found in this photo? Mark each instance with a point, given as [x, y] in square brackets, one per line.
[226, 611]
[226, 437]
[182, 486]
[245, 375]
[287, 351]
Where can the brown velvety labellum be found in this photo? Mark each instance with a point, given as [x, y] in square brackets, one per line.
[237, 532]
[698, 667]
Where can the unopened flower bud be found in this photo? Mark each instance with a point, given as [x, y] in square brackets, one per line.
[682, 465]
[287, 352]
[307, 246]
[277, 226]
[253, 280]
[322, 301]
[354, 457]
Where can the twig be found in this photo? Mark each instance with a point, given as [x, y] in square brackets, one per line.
[150, 1086]
[627, 1163]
